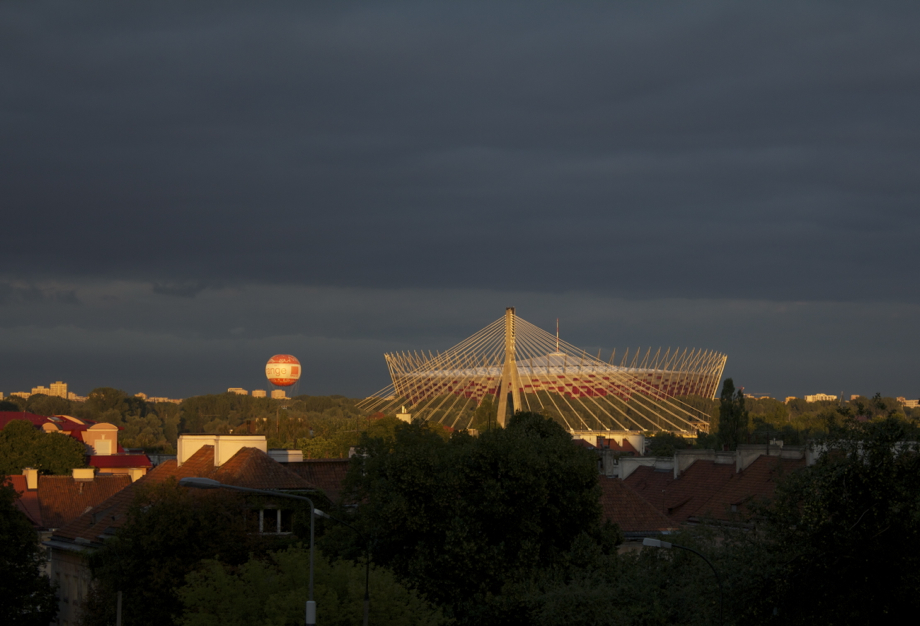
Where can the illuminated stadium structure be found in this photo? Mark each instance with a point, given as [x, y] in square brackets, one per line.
[511, 360]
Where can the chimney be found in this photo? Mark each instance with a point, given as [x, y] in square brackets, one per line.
[84, 474]
[31, 475]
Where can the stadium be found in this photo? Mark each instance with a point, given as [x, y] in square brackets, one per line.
[520, 367]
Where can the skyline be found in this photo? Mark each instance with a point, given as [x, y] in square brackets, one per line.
[189, 190]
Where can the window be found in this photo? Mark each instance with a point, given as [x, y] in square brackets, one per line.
[276, 521]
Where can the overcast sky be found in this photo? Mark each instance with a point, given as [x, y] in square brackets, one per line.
[189, 188]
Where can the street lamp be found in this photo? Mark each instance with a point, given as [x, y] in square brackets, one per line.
[367, 560]
[207, 483]
[658, 543]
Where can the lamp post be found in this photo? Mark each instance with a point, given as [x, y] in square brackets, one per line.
[367, 560]
[658, 543]
[207, 483]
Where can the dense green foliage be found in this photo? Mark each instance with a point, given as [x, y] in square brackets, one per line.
[838, 544]
[27, 598]
[169, 530]
[460, 518]
[733, 417]
[273, 591]
[843, 536]
[505, 529]
[322, 426]
[22, 445]
[664, 444]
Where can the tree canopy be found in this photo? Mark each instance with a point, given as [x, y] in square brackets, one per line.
[28, 596]
[733, 416]
[459, 518]
[843, 536]
[23, 445]
[273, 590]
[168, 531]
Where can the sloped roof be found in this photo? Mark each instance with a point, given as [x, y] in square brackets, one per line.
[686, 496]
[120, 460]
[91, 525]
[63, 499]
[758, 480]
[611, 444]
[651, 484]
[709, 489]
[631, 512]
[626, 446]
[247, 468]
[252, 468]
[28, 499]
[327, 475]
[8, 416]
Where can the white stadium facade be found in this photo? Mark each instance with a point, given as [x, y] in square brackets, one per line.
[519, 367]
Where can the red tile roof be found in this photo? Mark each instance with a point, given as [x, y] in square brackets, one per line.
[28, 499]
[631, 512]
[757, 481]
[8, 416]
[687, 495]
[709, 489]
[247, 468]
[63, 499]
[612, 444]
[328, 475]
[120, 460]
[254, 469]
[92, 525]
[651, 485]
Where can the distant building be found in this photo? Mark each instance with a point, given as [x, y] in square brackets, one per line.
[910, 404]
[820, 397]
[59, 389]
[279, 394]
[238, 391]
[41, 390]
[258, 393]
[101, 440]
[21, 394]
[162, 399]
[789, 399]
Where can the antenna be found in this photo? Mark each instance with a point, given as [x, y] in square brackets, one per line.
[557, 334]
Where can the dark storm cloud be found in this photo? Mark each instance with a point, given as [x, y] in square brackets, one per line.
[187, 189]
[128, 336]
[656, 150]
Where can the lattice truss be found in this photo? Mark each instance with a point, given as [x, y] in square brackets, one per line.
[513, 361]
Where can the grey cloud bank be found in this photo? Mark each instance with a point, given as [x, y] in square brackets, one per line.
[127, 335]
[186, 190]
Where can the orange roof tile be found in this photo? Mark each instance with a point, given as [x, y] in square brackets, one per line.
[686, 496]
[28, 500]
[631, 512]
[252, 468]
[758, 480]
[651, 485]
[247, 468]
[328, 475]
[63, 499]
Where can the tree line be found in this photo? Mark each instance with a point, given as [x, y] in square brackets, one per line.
[506, 528]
